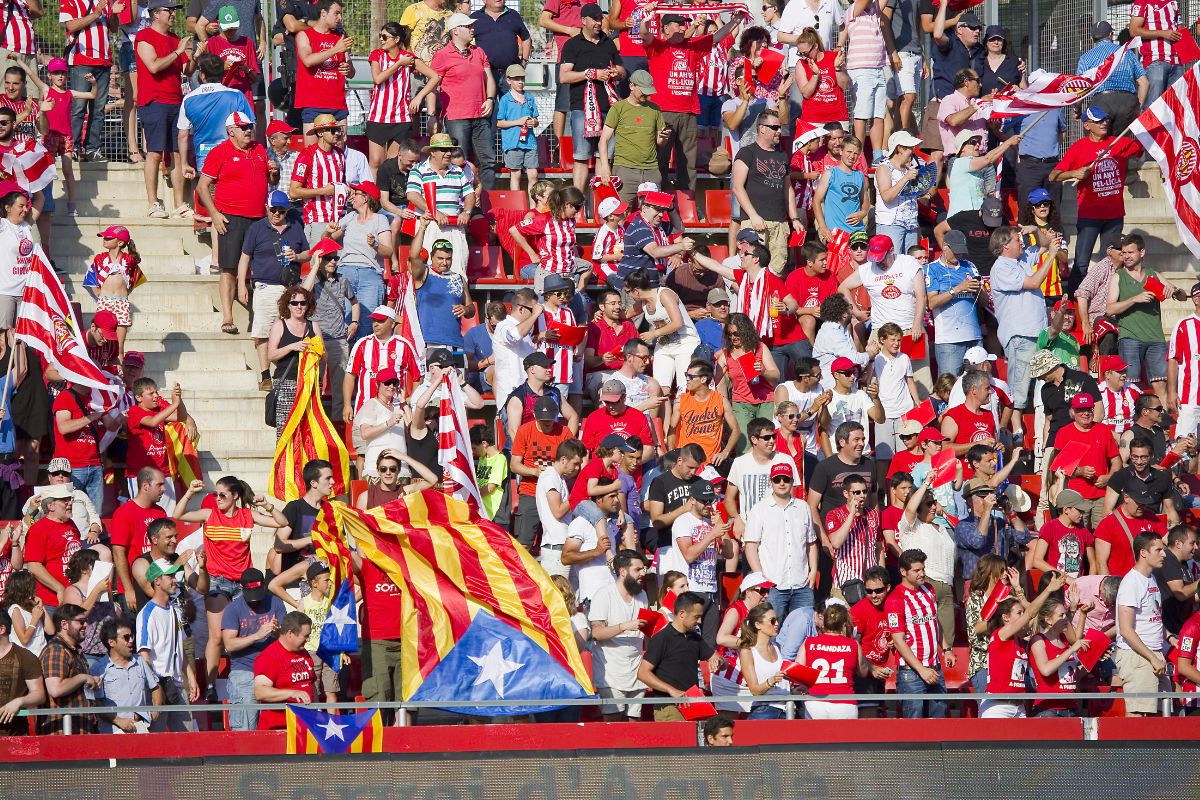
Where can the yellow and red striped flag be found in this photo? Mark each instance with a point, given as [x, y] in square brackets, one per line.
[181, 453]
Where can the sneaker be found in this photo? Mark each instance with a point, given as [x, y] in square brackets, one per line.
[72, 211]
[96, 156]
[157, 211]
[264, 385]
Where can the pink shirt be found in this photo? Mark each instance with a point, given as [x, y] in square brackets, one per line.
[464, 80]
[952, 104]
[59, 117]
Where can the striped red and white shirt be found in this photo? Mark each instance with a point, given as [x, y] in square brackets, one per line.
[857, 554]
[714, 70]
[313, 169]
[913, 612]
[605, 244]
[1159, 15]
[389, 100]
[562, 355]
[1185, 349]
[18, 29]
[1118, 407]
[556, 241]
[90, 46]
[369, 356]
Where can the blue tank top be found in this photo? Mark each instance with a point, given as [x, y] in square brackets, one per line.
[843, 198]
[438, 323]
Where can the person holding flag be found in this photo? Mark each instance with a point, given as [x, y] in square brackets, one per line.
[114, 273]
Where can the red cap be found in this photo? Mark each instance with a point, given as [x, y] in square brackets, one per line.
[368, 188]
[118, 232]
[106, 321]
[1081, 401]
[279, 126]
[783, 468]
[931, 435]
[662, 200]
[842, 364]
[386, 374]
[878, 247]
[324, 248]
[1113, 363]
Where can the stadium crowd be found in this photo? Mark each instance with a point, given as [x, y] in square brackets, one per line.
[886, 436]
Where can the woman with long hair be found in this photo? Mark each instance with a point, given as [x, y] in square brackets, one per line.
[554, 249]
[1040, 214]
[837, 656]
[287, 340]
[31, 625]
[990, 570]
[672, 333]
[399, 476]
[728, 680]
[390, 117]
[1053, 657]
[1008, 651]
[761, 662]
[366, 239]
[79, 573]
[1001, 69]
[753, 385]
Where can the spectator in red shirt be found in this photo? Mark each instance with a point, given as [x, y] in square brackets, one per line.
[465, 78]
[284, 671]
[1115, 535]
[162, 58]
[1100, 460]
[616, 416]
[50, 543]
[808, 286]
[101, 340]
[900, 486]
[971, 423]
[77, 434]
[599, 476]
[602, 354]
[148, 436]
[1064, 542]
[324, 64]
[236, 52]
[913, 454]
[870, 625]
[130, 524]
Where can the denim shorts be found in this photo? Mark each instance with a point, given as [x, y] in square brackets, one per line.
[218, 585]
[870, 92]
[521, 159]
[905, 81]
[126, 59]
[583, 148]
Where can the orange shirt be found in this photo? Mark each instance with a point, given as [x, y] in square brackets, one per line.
[701, 422]
[536, 449]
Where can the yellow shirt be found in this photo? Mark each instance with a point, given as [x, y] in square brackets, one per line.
[316, 610]
[428, 26]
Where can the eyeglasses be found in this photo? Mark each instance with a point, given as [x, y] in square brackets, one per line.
[298, 303]
[788, 416]
[880, 590]
[126, 637]
[772, 127]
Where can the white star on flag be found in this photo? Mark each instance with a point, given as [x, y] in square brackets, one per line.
[493, 667]
[339, 617]
[333, 730]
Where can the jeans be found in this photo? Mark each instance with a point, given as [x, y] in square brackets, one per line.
[909, 682]
[950, 355]
[1087, 232]
[979, 682]
[786, 355]
[476, 136]
[785, 601]
[240, 688]
[1147, 360]
[1019, 350]
[902, 237]
[764, 711]
[93, 110]
[796, 627]
[90, 481]
[368, 288]
[1161, 75]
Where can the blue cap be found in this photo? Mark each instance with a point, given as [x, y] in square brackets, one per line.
[278, 199]
[1038, 195]
[1095, 114]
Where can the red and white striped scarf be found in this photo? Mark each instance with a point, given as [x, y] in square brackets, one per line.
[755, 302]
[693, 9]
[593, 120]
[454, 454]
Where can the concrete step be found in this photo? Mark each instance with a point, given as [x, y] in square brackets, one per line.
[197, 341]
[167, 321]
[258, 442]
[230, 376]
[254, 469]
[158, 363]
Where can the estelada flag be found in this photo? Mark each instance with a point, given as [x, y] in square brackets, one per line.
[308, 434]
[310, 731]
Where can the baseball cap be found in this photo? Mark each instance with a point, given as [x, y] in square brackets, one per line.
[932, 435]
[618, 442]
[718, 295]
[227, 17]
[901, 138]
[1082, 401]
[133, 359]
[782, 470]
[160, 567]
[238, 120]
[118, 232]
[702, 491]
[106, 321]
[859, 237]
[326, 247]
[755, 580]
[1069, 498]
[1102, 30]
[58, 65]
[977, 355]
[1114, 363]
[278, 199]
[515, 71]
[545, 409]
[1094, 114]
[385, 375]
[642, 80]
[591, 11]
[969, 20]
[279, 126]
[57, 491]
[384, 312]
[538, 359]
[994, 32]
[678, 19]
[878, 247]
[663, 200]
[991, 212]
[748, 235]
[1195, 289]
[1038, 195]
[843, 364]
[458, 21]
[613, 391]
[439, 357]
[609, 206]
[59, 464]
[648, 186]
[316, 570]
[910, 427]
[368, 188]
[956, 242]
[254, 586]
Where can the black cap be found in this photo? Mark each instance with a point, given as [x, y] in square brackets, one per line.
[995, 32]
[538, 359]
[591, 11]
[254, 586]
[1101, 30]
[618, 442]
[703, 491]
[676, 18]
[992, 212]
[969, 20]
[545, 409]
[439, 357]
[316, 570]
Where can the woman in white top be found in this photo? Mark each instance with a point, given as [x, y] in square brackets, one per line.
[30, 622]
[895, 213]
[761, 662]
[16, 254]
[823, 16]
[672, 333]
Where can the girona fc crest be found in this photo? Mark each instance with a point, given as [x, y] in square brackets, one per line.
[25, 248]
[1076, 85]
[1186, 159]
[63, 334]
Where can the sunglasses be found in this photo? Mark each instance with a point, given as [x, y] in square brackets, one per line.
[857, 491]
[224, 495]
[298, 303]
[846, 372]
[1043, 204]
[781, 479]
[60, 474]
[858, 247]
[277, 210]
[246, 128]
[881, 590]
[126, 637]
[766, 437]
[772, 620]
[691, 377]
[527, 308]
[788, 416]
[392, 384]
[443, 244]
[389, 470]
[772, 127]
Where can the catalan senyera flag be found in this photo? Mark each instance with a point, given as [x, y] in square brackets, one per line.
[310, 731]
[308, 433]
[328, 544]
[181, 453]
[481, 619]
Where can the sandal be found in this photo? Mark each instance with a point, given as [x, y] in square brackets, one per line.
[136, 157]
[230, 328]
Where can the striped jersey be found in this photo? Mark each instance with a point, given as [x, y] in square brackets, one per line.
[17, 35]
[555, 243]
[452, 188]
[563, 356]
[370, 355]
[913, 612]
[1118, 407]
[1189, 638]
[714, 70]
[316, 168]
[227, 543]
[1160, 15]
[389, 100]
[89, 46]
[866, 49]
[858, 553]
[1185, 349]
[104, 265]
[605, 244]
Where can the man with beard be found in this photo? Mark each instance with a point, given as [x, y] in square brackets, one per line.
[617, 637]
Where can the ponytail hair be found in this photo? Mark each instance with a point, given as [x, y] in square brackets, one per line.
[243, 495]
[996, 622]
[749, 632]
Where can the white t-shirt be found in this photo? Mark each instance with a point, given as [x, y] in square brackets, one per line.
[891, 290]
[753, 480]
[851, 407]
[374, 412]
[702, 573]
[159, 631]
[615, 661]
[588, 577]
[509, 350]
[16, 254]
[554, 531]
[827, 20]
[1140, 593]
[893, 386]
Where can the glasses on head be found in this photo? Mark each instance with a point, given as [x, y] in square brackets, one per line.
[880, 590]
[297, 302]
[443, 244]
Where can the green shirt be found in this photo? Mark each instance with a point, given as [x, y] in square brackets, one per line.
[636, 132]
[1141, 322]
[1064, 346]
[492, 469]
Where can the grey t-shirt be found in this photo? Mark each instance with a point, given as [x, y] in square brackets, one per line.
[904, 26]
[247, 9]
[330, 315]
[355, 250]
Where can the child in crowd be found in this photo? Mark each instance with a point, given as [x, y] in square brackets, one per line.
[491, 470]
[555, 315]
[897, 389]
[919, 252]
[316, 606]
[608, 246]
[517, 120]
[237, 53]
[114, 273]
[148, 435]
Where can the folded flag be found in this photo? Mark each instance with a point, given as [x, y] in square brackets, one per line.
[944, 467]
[800, 673]
[310, 732]
[1068, 459]
[696, 709]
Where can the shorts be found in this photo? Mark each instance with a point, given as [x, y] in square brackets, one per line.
[384, 133]
[119, 306]
[48, 204]
[8, 311]
[521, 159]
[905, 81]
[226, 587]
[550, 557]
[229, 244]
[1147, 360]
[583, 147]
[307, 115]
[265, 306]
[996, 709]
[159, 122]
[562, 98]
[58, 144]
[1137, 676]
[126, 58]
[870, 92]
[710, 111]
[631, 710]
[327, 679]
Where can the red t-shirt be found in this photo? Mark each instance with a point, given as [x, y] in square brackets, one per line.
[829, 102]
[1008, 662]
[603, 339]
[836, 658]
[164, 86]
[537, 449]
[1120, 555]
[1066, 548]
[1101, 195]
[600, 423]
[1189, 638]
[227, 543]
[592, 469]
[1101, 448]
[286, 670]
[972, 428]
[128, 525]
[808, 291]
[676, 69]
[381, 603]
[321, 86]
[80, 447]
[241, 177]
[871, 624]
[464, 80]
[52, 544]
[904, 461]
[147, 446]
[1062, 681]
[241, 62]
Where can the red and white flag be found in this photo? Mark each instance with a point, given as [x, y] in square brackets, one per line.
[29, 165]
[1169, 129]
[46, 322]
[454, 447]
[408, 325]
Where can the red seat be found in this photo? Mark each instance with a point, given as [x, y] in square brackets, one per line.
[718, 209]
[718, 251]
[687, 208]
[505, 198]
[485, 264]
[566, 159]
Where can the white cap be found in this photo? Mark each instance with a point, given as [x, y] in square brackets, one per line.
[902, 138]
[755, 579]
[458, 20]
[237, 120]
[648, 186]
[815, 133]
[385, 312]
[710, 474]
[608, 206]
[977, 355]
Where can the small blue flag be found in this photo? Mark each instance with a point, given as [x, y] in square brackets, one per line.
[339, 632]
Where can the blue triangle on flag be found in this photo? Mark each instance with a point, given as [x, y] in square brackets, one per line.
[339, 632]
[334, 733]
[495, 661]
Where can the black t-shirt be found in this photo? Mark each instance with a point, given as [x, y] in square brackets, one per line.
[1056, 400]
[300, 516]
[425, 450]
[1150, 492]
[670, 491]
[978, 235]
[1174, 612]
[766, 183]
[1157, 437]
[693, 289]
[583, 55]
[831, 474]
[674, 656]
[392, 182]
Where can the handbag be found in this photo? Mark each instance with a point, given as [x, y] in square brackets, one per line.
[270, 404]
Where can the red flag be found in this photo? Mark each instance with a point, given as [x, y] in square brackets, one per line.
[913, 348]
[1067, 460]
[1155, 287]
[1186, 48]
[454, 450]
[694, 710]
[944, 464]
[800, 673]
[992, 602]
[923, 413]
[46, 323]
[1100, 643]
[651, 621]
[1167, 130]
